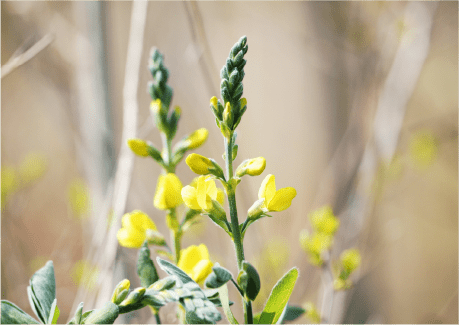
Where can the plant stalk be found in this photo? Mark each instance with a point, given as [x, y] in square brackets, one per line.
[248, 317]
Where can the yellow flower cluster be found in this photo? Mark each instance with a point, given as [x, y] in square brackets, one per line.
[324, 224]
[349, 261]
[195, 262]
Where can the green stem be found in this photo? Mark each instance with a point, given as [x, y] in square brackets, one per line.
[158, 320]
[248, 316]
[177, 237]
[232, 204]
[167, 154]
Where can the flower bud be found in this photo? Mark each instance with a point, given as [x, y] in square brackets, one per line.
[252, 167]
[133, 297]
[163, 284]
[121, 291]
[350, 260]
[216, 108]
[197, 138]
[199, 164]
[228, 116]
[139, 147]
[160, 113]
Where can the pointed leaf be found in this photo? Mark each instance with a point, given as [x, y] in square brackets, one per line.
[278, 298]
[223, 293]
[12, 314]
[43, 290]
[171, 269]
[145, 267]
[53, 313]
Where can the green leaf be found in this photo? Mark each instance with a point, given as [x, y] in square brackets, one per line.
[278, 298]
[223, 293]
[42, 291]
[218, 277]
[105, 315]
[292, 313]
[199, 309]
[256, 318]
[12, 314]
[249, 280]
[171, 269]
[53, 313]
[145, 267]
[79, 313]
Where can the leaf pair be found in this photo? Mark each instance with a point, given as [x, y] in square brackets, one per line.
[42, 298]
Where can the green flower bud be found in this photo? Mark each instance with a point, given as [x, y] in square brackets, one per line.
[135, 296]
[121, 291]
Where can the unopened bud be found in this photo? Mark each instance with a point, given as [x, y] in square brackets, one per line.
[121, 291]
[133, 297]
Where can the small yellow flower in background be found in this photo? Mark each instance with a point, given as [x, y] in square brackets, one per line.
[9, 183]
[252, 167]
[312, 313]
[85, 274]
[340, 284]
[79, 199]
[197, 138]
[195, 262]
[423, 149]
[275, 200]
[323, 220]
[200, 193]
[168, 192]
[134, 229]
[139, 147]
[350, 260]
[315, 245]
[32, 167]
[199, 164]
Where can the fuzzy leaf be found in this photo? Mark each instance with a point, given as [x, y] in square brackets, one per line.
[223, 293]
[42, 291]
[218, 277]
[12, 314]
[145, 267]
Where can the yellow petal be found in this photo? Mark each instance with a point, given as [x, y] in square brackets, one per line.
[201, 270]
[220, 196]
[211, 188]
[267, 189]
[282, 199]
[168, 192]
[189, 196]
[130, 237]
[137, 220]
[191, 256]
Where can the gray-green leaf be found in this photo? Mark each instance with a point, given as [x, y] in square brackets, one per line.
[278, 298]
[42, 291]
[218, 277]
[105, 315]
[12, 314]
[249, 280]
[145, 267]
[292, 313]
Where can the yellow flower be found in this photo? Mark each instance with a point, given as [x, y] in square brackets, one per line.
[199, 164]
[79, 198]
[315, 244]
[323, 220]
[32, 167]
[168, 190]
[423, 149]
[200, 193]
[134, 229]
[197, 138]
[350, 260]
[312, 313]
[195, 262]
[275, 200]
[252, 167]
[84, 273]
[139, 147]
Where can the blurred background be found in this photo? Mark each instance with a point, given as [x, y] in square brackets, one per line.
[353, 104]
